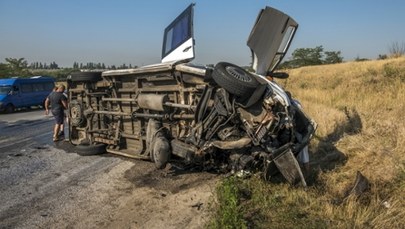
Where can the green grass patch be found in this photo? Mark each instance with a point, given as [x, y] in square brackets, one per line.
[230, 213]
[283, 206]
[254, 203]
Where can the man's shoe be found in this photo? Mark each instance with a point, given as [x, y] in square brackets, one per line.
[55, 139]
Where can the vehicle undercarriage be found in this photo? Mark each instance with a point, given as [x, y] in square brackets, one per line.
[167, 112]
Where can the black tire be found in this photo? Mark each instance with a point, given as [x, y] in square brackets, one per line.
[161, 152]
[88, 150]
[234, 79]
[85, 76]
[9, 109]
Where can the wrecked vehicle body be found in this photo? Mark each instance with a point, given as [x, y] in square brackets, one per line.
[223, 116]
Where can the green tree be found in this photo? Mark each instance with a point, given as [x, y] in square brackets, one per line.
[17, 64]
[4, 70]
[53, 65]
[311, 56]
[333, 57]
[15, 67]
[307, 56]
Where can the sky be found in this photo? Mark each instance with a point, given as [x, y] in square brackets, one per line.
[131, 31]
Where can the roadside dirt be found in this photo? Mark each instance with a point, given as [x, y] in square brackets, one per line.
[47, 185]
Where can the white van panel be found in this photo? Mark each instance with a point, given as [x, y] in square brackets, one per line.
[184, 52]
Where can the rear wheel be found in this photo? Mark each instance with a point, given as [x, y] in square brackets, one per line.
[234, 79]
[88, 150]
[161, 152]
[9, 108]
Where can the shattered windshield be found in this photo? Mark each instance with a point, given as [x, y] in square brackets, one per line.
[4, 90]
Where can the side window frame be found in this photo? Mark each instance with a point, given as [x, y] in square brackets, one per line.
[179, 32]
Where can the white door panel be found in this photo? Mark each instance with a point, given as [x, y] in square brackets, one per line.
[184, 52]
[270, 38]
[178, 40]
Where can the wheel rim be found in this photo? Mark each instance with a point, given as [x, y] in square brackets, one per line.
[76, 114]
[238, 74]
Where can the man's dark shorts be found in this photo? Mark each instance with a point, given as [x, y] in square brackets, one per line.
[59, 116]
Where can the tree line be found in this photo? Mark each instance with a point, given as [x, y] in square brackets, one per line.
[317, 56]
[20, 67]
[40, 65]
[312, 56]
[300, 57]
[92, 66]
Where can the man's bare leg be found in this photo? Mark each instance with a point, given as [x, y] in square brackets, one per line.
[56, 131]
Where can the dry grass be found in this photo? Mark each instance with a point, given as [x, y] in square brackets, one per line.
[360, 110]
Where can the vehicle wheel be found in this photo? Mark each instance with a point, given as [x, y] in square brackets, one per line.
[88, 150]
[85, 76]
[234, 79]
[76, 114]
[9, 108]
[161, 152]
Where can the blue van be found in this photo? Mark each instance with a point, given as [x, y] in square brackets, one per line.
[24, 92]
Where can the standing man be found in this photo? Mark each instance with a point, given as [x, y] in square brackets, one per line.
[61, 133]
[58, 103]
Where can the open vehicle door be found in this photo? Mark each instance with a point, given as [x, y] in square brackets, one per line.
[270, 38]
[178, 41]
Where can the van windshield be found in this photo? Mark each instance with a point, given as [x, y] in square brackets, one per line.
[4, 90]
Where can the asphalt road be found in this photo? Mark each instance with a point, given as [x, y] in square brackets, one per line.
[47, 185]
